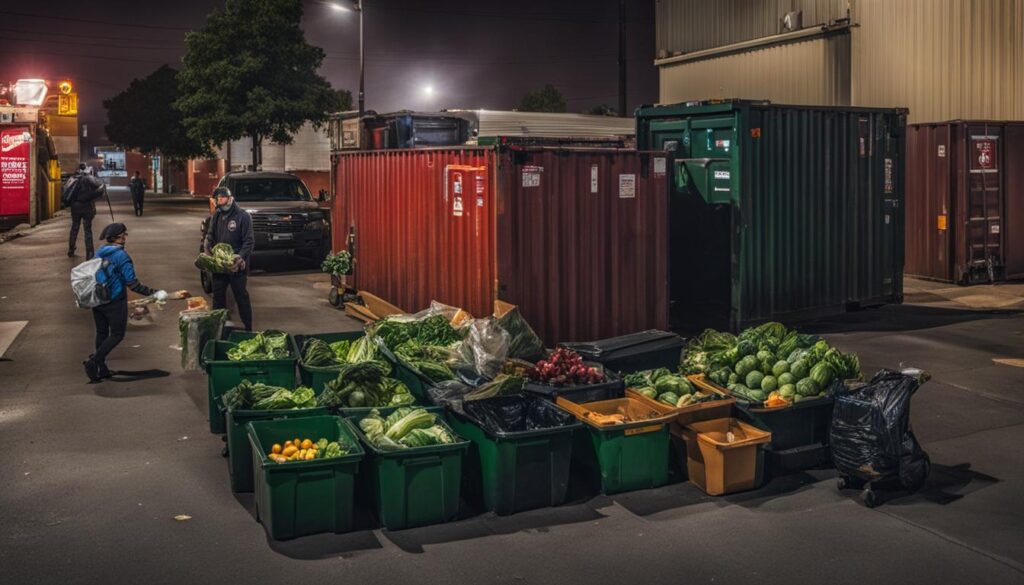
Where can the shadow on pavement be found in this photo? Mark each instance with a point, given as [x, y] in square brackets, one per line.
[901, 318]
[945, 485]
[325, 546]
[320, 546]
[136, 375]
[413, 540]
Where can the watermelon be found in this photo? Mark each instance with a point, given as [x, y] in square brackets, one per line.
[806, 387]
[769, 383]
[799, 369]
[780, 367]
[787, 391]
[754, 380]
[822, 374]
[786, 378]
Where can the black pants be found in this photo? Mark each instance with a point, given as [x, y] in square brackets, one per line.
[111, 322]
[237, 282]
[137, 201]
[86, 220]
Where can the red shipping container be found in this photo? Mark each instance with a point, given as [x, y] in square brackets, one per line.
[965, 201]
[576, 237]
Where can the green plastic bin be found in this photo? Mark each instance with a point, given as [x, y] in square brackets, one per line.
[224, 374]
[622, 457]
[239, 452]
[412, 487]
[515, 471]
[298, 498]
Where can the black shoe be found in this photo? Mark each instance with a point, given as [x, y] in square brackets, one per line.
[92, 370]
[103, 372]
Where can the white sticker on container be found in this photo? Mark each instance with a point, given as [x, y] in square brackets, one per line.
[627, 186]
[457, 206]
[593, 178]
[994, 229]
[723, 175]
[531, 176]
[942, 150]
[659, 165]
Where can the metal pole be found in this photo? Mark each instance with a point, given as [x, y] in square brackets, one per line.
[362, 63]
[33, 176]
[622, 58]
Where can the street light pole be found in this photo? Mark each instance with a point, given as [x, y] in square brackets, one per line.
[362, 63]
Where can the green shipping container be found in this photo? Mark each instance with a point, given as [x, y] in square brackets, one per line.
[779, 212]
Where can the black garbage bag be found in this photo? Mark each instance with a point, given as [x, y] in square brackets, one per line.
[516, 413]
[871, 437]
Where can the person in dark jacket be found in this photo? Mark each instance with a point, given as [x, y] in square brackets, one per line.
[112, 318]
[83, 209]
[138, 189]
[232, 225]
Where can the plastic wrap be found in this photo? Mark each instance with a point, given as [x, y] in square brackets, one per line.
[485, 347]
[195, 329]
[516, 413]
[871, 438]
[523, 341]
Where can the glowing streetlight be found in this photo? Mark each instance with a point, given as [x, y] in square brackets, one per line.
[428, 90]
[357, 7]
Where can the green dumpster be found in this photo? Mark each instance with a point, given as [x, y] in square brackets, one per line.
[298, 498]
[521, 453]
[224, 374]
[412, 487]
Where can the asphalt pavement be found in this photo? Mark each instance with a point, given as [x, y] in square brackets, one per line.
[95, 475]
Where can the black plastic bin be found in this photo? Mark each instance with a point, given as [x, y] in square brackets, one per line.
[611, 389]
[799, 433]
[521, 453]
[646, 350]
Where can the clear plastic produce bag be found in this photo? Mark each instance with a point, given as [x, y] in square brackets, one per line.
[485, 347]
[195, 329]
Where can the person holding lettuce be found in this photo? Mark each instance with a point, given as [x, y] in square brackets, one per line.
[112, 317]
[231, 225]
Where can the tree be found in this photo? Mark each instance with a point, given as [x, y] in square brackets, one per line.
[545, 99]
[250, 72]
[143, 118]
[602, 110]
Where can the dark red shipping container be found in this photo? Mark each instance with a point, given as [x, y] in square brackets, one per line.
[576, 237]
[965, 201]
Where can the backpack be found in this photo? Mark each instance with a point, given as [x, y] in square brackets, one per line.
[89, 283]
[70, 190]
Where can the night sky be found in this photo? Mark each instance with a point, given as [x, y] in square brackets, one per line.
[475, 54]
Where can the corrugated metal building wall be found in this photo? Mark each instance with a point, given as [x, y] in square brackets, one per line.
[781, 73]
[694, 25]
[944, 59]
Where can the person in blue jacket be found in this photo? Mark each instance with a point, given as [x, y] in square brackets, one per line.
[112, 317]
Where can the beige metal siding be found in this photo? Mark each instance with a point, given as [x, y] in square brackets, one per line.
[943, 59]
[310, 150]
[694, 25]
[811, 72]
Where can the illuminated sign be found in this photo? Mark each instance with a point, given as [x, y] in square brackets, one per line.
[30, 92]
[65, 87]
[67, 104]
